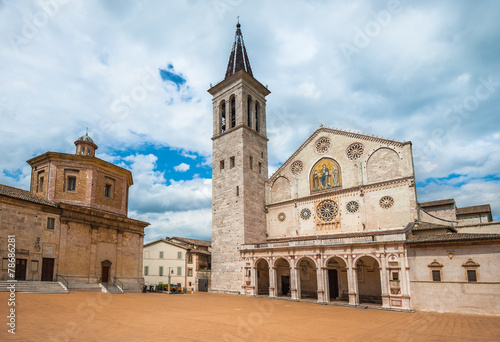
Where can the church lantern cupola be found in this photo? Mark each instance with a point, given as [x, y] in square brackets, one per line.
[85, 146]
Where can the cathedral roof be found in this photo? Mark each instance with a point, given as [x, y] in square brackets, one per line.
[476, 209]
[451, 237]
[238, 60]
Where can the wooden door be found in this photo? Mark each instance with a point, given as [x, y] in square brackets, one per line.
[333, 281]
[48, 269]
[21, 269]
[105, 274]
[285, 285]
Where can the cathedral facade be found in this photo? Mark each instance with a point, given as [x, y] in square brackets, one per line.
[339, 221]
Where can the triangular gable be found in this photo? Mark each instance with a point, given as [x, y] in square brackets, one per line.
[354, 135]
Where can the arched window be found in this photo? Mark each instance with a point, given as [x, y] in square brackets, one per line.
[222, 116]
[233, 111]
[257, 108]
[249, 111]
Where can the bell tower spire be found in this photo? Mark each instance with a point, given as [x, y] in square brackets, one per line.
[238, 60]
[239, 170]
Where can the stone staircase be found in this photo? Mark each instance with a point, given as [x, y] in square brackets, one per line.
[84, 287]
[34, 286]
[112, 288]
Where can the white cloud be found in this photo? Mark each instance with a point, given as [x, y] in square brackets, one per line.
[94, 64]
[182, 167]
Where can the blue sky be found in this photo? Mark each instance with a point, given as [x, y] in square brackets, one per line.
[136, 73]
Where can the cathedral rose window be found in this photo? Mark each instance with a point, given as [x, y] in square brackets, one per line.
[327, 210]
[297, 167]
[305, 214]
[322, 145]
[355, 151]
[352, 206]
[386, 202]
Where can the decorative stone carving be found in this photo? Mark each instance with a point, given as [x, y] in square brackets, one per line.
[305, 214]
[327, 210]
[297, 167]
[281, 217]
[355, 151]
[352, 207]
[322, 145]
[386, 202]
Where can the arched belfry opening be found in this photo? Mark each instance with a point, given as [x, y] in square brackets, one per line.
[222, 113]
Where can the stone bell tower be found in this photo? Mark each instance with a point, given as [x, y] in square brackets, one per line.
[239, 168]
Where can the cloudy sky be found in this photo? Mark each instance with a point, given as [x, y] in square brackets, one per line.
[136, 74]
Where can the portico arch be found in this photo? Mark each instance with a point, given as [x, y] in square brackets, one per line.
[307, 278]
[262, 277]
[368, 277]
[337, 281]
[282, 268]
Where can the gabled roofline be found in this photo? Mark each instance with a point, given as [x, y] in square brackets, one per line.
[167, 242]
[349, 134]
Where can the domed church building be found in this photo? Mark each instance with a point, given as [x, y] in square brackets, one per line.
[339, 222]
[72, 226]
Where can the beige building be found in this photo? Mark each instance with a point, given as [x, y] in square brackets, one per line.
[339, 221]
[188, 261]
[72, 226]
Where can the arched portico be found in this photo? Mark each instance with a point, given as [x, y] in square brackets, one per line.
[307, 278]
[337, 283]
[282, 276]
[369, 289]
[262, 277]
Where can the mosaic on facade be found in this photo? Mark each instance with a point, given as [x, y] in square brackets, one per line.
[325, 175]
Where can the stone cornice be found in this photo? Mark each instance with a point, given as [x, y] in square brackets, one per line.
[239, 75]
[96, 218]
[234, 129]
[84, 160]
[331, 193]
[337, 132]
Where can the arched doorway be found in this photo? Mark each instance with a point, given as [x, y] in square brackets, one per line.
[105, 271]
[308, 278]
[283, 277]
[337, 283]
[262, 277]
[368, 274]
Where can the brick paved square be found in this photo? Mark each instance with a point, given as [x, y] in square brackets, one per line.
[218, 317]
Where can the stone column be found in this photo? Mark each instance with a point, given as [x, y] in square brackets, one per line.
[294, 284]
[320, 273]
[273, 286]
[326, 285]
[254, 285]
[384, 283]
[352, 280]
[405, 293]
